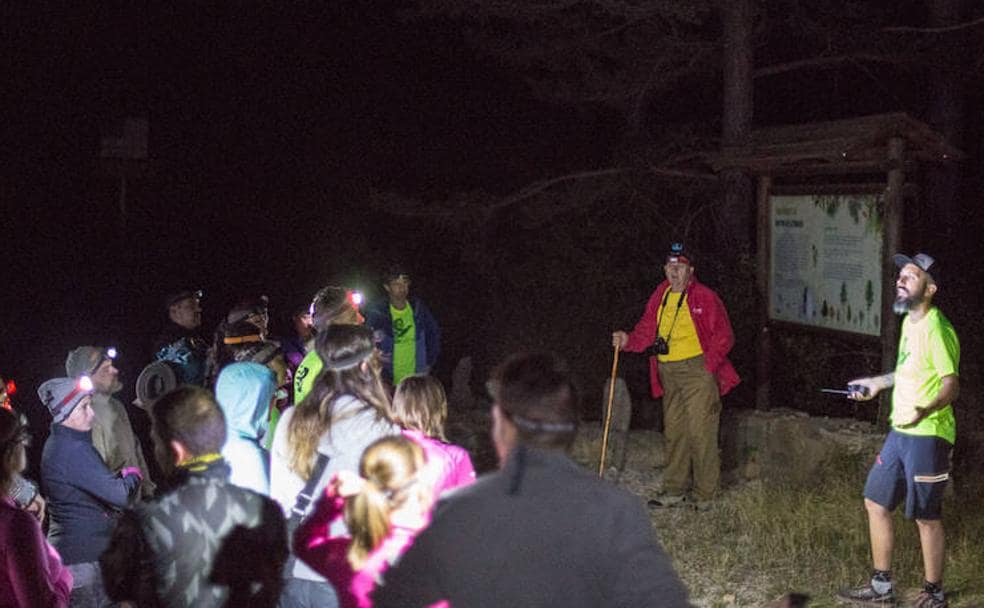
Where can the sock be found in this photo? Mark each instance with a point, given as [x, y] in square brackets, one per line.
[935, 589]
[881, 581]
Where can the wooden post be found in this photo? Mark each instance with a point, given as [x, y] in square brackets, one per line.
[763, 254]
[891, 244]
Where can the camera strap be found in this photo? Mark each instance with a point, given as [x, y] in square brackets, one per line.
[676, 313]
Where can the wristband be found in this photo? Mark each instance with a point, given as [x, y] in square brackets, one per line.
[132, 471]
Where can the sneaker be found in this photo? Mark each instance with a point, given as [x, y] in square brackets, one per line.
[927, 600]
[666, 501]
[866, 596]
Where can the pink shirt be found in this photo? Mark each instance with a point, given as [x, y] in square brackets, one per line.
[327, 555]
[33, 575]
[448, 466]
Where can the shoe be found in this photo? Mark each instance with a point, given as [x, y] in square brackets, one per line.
[866, 596]
[702, 505]
[667, 500]
[925, 599]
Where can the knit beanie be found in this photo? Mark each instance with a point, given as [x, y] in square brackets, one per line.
[62, 395]
[82, 361]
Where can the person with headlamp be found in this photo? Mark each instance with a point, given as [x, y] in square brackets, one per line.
[686, 331]
[23, 492]
[33, 575]
[405, 331]
[255, 310]
[84, 495]
[112, 433]
[180, 342]
[332, 305]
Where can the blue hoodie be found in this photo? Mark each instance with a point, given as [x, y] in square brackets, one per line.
[244, 391]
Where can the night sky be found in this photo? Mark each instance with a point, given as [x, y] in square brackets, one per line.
[268, 127]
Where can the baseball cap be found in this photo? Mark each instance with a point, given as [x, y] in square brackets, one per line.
[177, 296]
[679, 254]
[924, 261]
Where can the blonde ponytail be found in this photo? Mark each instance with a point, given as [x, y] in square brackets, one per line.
[390, 467]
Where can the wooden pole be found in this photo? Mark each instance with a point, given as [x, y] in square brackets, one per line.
[763, 249]
[891, 244]
[608, 416]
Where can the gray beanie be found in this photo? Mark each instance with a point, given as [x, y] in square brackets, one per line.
[62, 395]
[83, 360]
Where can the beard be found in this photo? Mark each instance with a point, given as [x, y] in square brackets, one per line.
[905, 303]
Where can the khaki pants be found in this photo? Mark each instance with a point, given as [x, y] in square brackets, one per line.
[691, 414]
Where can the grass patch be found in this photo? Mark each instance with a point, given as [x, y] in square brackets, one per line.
[761, 541]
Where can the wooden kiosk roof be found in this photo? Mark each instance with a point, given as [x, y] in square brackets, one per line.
[852, 145]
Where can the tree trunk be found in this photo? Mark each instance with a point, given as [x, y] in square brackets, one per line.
[733, 221]
[946, 116]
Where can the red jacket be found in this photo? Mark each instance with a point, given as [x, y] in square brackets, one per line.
[713, 330]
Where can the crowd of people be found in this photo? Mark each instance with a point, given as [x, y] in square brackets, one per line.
[316, 471]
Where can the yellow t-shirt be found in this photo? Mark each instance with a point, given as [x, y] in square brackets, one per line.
[679, 333]
[404, 343]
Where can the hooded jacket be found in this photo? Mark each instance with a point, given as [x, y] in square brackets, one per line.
[428, 334]
[713, 331]
[244, 391]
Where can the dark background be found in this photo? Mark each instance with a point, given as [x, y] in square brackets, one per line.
[274, 130]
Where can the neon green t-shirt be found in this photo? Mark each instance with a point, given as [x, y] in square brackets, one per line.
[928, 351]
[305, 375]
[404, 343]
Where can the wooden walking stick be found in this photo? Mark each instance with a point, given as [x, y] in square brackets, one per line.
[608, 416]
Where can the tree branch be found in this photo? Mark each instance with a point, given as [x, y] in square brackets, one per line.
[828, 62]
[902, 29]
[538, 187]
[541, 186]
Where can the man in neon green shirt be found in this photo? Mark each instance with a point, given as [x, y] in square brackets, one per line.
[331, 305]
[404, 328]
[914, 462]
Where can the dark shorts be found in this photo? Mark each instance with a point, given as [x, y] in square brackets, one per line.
[913, 468]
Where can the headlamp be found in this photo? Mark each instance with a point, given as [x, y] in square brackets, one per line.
[9, 388]
[84, 384]
[355, 299]
[107, 354]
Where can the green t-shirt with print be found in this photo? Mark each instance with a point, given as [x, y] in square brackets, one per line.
[928, 351]
[305, 375]
[404, 343]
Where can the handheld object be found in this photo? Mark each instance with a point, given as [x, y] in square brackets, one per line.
[851, 388]
[608, 416]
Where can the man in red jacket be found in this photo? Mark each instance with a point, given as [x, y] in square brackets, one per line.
[686, 328]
